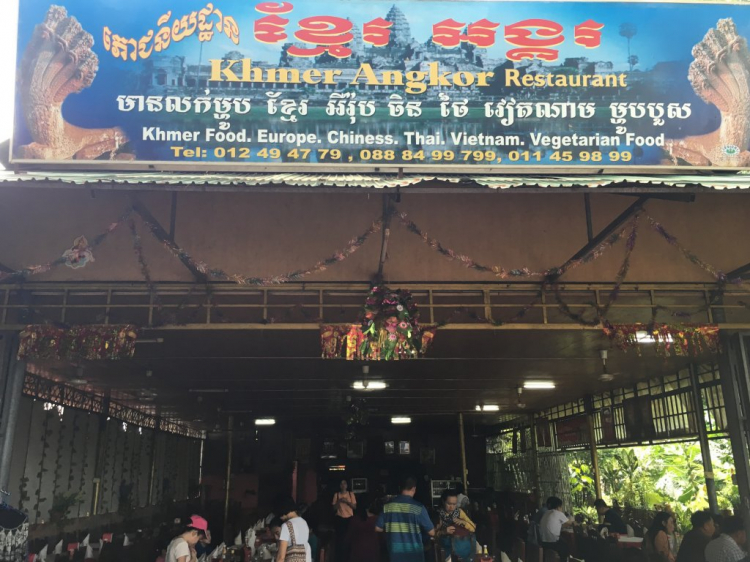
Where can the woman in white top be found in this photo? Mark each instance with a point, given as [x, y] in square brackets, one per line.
[182, 548]
[294, 533]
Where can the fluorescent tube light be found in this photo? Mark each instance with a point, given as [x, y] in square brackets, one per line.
[538, 385]
[400, 420]
[488, 408]
[265, 421]
[369, 385]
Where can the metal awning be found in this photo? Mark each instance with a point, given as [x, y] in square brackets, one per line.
[279, 181]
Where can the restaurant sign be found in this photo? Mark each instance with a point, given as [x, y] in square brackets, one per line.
[362, 85]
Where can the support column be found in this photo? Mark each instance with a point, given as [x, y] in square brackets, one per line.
[295, 479]
[101, 451]
[152, 473]
[592, 446]
[8, 349]
[708, 469]
[462, 440]
[594, 457]
[536, 476]
[11, 402]
[230, 428]
[734, 383]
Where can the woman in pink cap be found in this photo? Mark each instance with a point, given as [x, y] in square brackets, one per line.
[182, 548]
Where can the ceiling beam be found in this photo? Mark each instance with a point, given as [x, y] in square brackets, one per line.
[676, 197]
[589, 225]
[163, 236]
[741, 272]
[387, 214]
[608, 230]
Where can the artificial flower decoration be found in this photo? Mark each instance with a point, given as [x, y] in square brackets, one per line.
[79, 255]
[390, 325]
[389, 330]
[94, 342]
[682, 340]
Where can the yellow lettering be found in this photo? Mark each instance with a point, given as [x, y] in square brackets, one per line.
[311, 76]
[463, 78]
[249, 74]
[393, 78]
[283, 76]
[482, 78]
[415, 82]
[365, 71]
[225, 74]
[330, 76]
[512, 77]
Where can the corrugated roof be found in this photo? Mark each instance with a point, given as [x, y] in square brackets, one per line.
[375, 181]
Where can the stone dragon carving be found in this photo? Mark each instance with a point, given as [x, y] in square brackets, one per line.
[58, 62]
[720, 75]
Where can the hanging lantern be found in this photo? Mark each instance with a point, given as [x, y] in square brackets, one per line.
[389, 330]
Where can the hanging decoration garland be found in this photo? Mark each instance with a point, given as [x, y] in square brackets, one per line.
[354, 245]
[721, 278]
[468, 262]
[78, 342]
[76, 257]
[500, 271]
[81, 253]
[145, 270]
[681, 340]
[622, 273]
[690, 256]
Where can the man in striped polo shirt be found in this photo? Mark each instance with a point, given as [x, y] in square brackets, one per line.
[404, 520]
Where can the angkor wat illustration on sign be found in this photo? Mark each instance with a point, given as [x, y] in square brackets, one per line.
[59, 61]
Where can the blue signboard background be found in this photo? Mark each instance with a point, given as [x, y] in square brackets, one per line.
[651, 45]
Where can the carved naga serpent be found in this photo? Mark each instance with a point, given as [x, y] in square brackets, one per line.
[57, 62]
[720, 75]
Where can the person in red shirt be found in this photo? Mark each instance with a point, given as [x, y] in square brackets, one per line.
[362, 540]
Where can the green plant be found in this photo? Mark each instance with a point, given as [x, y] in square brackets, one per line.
[582, 485]
[654, 476]
[62, 504]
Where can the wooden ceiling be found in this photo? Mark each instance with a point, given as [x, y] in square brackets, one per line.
[201, 376]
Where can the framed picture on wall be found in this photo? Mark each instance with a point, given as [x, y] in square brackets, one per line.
[427, 455]
[359, 485]
[390, 447]
[355, 449]
[329, 450]
[404, 448]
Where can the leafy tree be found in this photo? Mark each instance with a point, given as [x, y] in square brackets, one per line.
[582, 485]
[667, 476]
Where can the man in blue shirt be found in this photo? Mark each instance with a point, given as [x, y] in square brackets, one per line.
[404, 520]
